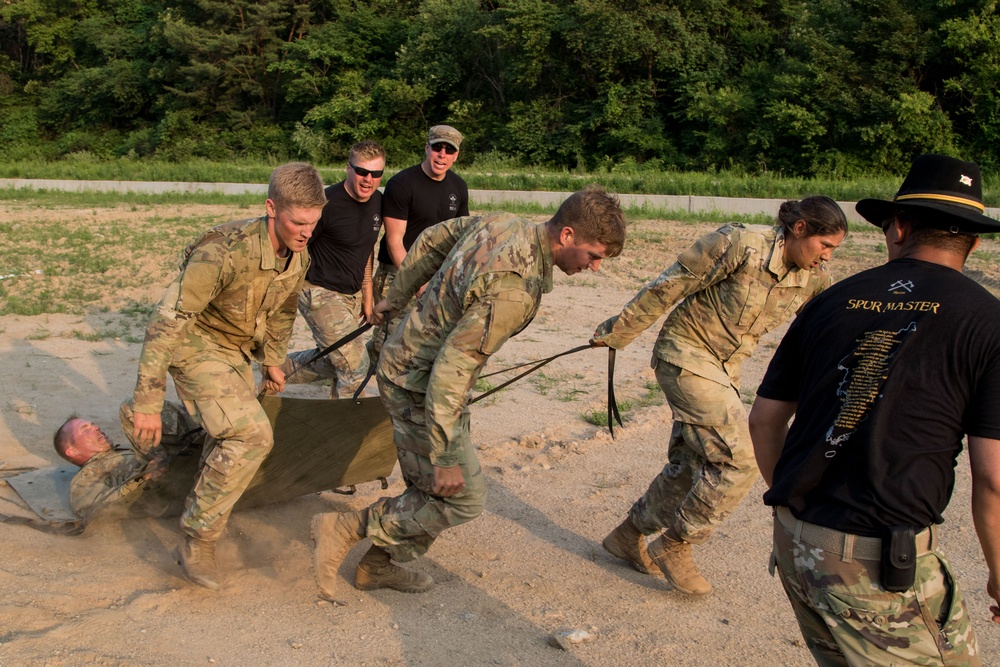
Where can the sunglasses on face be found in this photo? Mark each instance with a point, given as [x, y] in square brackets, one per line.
[362, 172]
[442, 146]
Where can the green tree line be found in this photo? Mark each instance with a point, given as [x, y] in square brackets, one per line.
[828, 88]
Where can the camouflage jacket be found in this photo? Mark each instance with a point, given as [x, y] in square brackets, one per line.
[233, 298]
[733, 287]
[102, 473]
[486, 278]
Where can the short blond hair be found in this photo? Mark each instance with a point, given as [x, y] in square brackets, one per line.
[296, 184]
[595, 216]
[366, 150]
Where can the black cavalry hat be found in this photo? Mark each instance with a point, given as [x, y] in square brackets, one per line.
[948, 188]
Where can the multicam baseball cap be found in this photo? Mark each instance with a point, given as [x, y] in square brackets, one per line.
[445, 133]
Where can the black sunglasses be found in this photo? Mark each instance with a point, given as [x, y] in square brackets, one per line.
[448, 148]
[362, 172]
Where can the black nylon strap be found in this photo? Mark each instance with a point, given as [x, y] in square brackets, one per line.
[330, 348]
[535, 366]
[613, 414]
[372, 364]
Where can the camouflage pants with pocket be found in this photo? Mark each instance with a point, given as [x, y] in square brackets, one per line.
[178, 426]
[330, 316]
[848, 619]
[710, 463]
[408, 524]
[221, 398]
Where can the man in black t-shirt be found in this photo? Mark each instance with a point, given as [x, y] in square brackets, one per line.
[416, 198]
[885, 373]
[337, 295]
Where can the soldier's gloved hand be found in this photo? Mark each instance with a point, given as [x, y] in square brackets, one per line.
[597, 343]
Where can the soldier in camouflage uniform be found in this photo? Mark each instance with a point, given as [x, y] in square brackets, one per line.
[104, 467]
[486, 278]
[733, 285]
[885, 373]
[234, 299]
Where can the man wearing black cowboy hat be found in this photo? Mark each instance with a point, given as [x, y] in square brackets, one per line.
[885, 373]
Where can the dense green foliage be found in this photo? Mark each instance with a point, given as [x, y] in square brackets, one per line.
[815, 87]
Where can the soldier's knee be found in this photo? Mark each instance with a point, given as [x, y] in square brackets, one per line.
[472, 501]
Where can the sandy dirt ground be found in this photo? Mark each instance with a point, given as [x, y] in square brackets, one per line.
[531, 566]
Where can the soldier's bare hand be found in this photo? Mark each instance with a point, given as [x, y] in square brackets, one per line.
[367, 313]
[993, 590]
[447, 481]
[274, 379]
[382, 311]
[147, 429]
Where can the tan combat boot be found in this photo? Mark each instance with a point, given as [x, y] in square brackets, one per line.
[627, 543]
[376, 570]
[335, 533]
[673, 557]
[197, 560]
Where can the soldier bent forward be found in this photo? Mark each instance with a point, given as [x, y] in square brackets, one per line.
[734, 285]
[487, 276]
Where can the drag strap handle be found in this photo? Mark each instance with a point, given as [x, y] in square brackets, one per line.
[534, 367]
[613, 414]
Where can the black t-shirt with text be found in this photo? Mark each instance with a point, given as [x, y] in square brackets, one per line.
[414, 196]
[889, 368]
[343, 240]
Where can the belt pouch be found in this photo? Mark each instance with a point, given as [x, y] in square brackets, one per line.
[899, 559]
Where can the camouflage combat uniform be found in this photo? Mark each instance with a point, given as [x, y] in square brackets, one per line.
[234, 298]
[114, 469]
[733, 287]
[487, 275]
[331, 316]
[847, 617]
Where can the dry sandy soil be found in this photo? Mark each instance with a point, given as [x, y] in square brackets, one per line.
[531, 566]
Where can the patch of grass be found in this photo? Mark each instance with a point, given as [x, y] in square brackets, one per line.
[600, 417]
[484, 385]
[653, 396]
[100, 334]
[142, 309]
[38, 334]
[561, 384]
[97, 257]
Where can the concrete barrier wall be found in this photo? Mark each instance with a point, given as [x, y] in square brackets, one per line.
[481, 198]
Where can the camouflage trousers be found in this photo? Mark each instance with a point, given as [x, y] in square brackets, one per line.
[220, 397]
[175, 420]
[710, 463]
[847, 618]
[408, 524]
[384, 276]
[330, 316]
